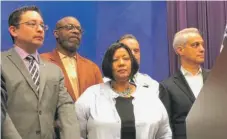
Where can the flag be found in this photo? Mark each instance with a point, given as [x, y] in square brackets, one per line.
[224, 37]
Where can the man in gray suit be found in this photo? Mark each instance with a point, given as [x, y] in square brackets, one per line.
[35, 87]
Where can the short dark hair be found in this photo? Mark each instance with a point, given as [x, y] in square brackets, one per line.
[127, 36]
[108, 60]
[15, 16]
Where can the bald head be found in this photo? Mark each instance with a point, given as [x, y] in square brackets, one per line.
[65, 20]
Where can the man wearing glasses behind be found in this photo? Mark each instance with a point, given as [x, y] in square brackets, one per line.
[80, 73]
[35, 87]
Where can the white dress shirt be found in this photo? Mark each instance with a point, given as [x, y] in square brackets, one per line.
[99, 118]
[195, 82]
[144, 80]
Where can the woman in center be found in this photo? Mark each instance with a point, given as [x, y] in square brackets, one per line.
[119, 109]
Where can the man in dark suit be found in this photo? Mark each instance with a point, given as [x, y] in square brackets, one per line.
[179, 92]
[35, 87]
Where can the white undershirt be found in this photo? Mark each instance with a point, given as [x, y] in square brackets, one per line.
[195, 82]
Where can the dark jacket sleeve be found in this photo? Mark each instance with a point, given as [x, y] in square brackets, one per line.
[165, 97]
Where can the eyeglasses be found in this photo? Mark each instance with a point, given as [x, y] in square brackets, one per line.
[33, 24]
[71, 27]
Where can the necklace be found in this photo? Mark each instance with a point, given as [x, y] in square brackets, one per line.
[125, 93]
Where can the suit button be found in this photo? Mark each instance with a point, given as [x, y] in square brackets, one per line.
[38, 132]
[40, 112]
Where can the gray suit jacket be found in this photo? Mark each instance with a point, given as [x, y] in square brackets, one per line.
[31, 113]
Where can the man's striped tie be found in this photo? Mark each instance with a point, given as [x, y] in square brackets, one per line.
[34, 70]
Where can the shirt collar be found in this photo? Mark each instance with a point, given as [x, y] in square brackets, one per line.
[134, 77]
[62, 56]
[23, 54]
[136, 74]
[185, 72]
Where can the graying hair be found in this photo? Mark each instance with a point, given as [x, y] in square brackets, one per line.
[182, 36]
[127, 36]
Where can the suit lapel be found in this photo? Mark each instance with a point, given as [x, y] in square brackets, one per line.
[55, 58]
[42, 72]
[17, 61]
[80, 72]
[181, 82]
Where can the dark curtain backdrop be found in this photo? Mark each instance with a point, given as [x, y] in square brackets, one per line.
[210, 17]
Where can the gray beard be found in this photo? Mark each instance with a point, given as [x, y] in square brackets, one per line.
[69, 47]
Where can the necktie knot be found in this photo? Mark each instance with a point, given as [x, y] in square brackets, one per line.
[30, 58]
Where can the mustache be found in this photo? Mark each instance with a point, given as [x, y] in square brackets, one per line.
[68, 46]
[74, 36]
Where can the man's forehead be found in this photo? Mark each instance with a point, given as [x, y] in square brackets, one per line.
[196, 38]
[31, 15]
